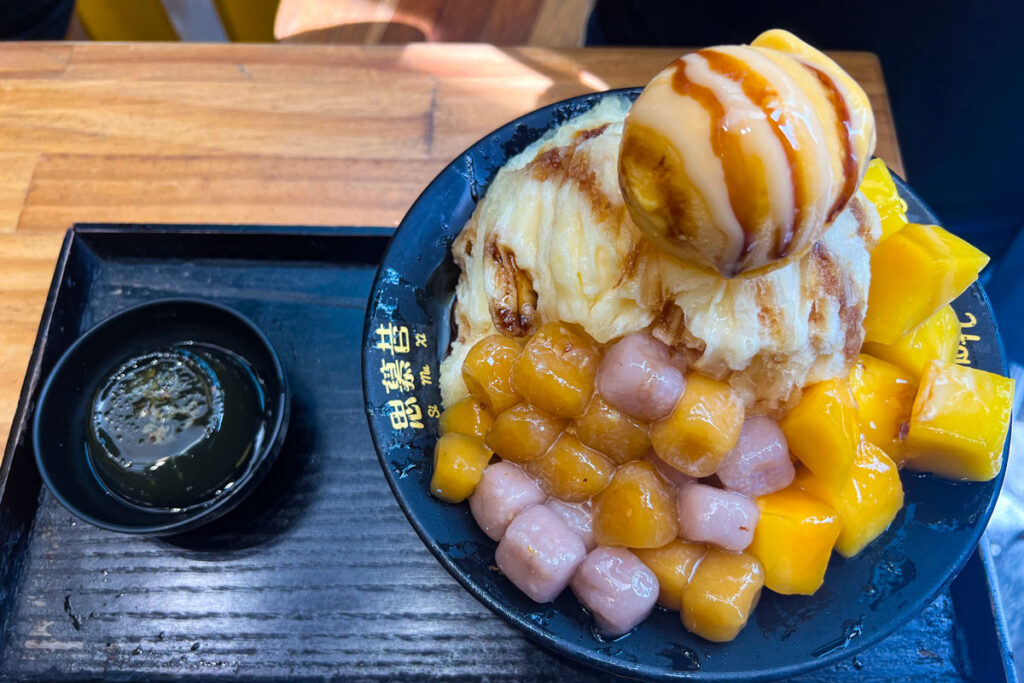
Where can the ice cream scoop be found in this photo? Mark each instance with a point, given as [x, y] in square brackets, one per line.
[737, 158]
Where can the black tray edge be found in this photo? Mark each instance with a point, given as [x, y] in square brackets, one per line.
[14, 530]
[18, 504]
[976, 596]
[15, 524]
[230, 228]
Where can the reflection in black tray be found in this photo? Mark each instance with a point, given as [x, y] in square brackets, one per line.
[318, 573]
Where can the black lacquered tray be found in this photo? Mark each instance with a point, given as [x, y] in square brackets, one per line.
[318, 574]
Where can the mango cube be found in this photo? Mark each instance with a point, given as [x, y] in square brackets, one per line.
[459, 462]
[881, 191]
[934, 339]
[673, 564]
[867, 504]
[959, 422]
[822, 431]
[557, 368]
[914, 273]
[487, 372]
[523, 433]
[607, 429]
[468, 416]
[636, 510]
[723, 593]
[793, 540]
[884, 395]
[702, 428]
[571, 471]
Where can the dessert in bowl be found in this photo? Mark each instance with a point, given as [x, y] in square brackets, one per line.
[643, 408]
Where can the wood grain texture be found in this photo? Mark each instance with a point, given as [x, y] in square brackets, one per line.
[318, 575]
[324, 135]
[15, 176]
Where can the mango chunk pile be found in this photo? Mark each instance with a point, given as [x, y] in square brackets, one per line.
[617, 471]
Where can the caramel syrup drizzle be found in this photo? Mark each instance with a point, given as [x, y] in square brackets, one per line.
[759, 91]
[844, 130]
[726, 145]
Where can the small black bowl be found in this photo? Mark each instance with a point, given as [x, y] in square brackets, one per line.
[863, 600]
[59, 426]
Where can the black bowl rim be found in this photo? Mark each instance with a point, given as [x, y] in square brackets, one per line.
[264, 457]
[599, 660]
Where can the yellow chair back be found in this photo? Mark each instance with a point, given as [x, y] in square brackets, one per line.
[248, 21]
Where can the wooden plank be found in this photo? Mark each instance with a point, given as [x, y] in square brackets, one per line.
[520, 79]
[303, 134]
[888, 146]
[216, 62]
[487, 68]
[34, 60]
[26, 267]
[221, 189]
[30, 247]
[15, 176]
[286, 119]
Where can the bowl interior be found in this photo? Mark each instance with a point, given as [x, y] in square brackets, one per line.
[863, 599]
[60, 421]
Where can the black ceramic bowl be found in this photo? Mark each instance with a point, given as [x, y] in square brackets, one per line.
[59, 427]
[862, 600]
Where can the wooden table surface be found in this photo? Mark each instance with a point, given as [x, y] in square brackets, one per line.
[313, 135]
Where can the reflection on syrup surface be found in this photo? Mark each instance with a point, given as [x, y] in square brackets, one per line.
[175, 427]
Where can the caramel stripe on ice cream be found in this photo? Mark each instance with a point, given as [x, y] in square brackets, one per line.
[761, 93]
[573, 167]
[726, 147]
[844, 130]
[515, 301]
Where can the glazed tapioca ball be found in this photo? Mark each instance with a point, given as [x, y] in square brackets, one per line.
[557, 368]
[487, 372]
[723, 593]
[617, 588]
[539, 554]
[571, 471]
[670, 474]
[636, 510]
[468, 416]
[459, 462]
[607, 429]
[724, 518]
[674, 564]
[504, 491]
[637, 376]
[578, 517]
[759, 463]
[523, 433]
[702, 428]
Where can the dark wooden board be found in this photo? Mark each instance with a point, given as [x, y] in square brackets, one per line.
[318, 574]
